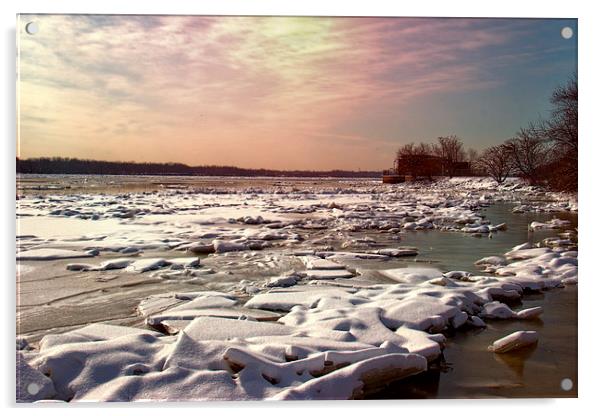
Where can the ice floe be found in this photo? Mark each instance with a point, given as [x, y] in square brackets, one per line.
[412, 274]
[52, 254]
[554, 223]
[516, 340]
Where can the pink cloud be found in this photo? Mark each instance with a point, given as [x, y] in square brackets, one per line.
[215, 90]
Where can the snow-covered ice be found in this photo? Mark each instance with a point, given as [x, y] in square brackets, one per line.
[516, 340]
[295, 293]
[51, 254]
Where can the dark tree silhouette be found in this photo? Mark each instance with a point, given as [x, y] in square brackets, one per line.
[58, 165]
[529, 153]
[495, 163]
[562, 130]
[546, 152]
[451, 151]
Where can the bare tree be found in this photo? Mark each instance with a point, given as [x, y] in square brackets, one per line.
[562, 131]
[529, 153]
[450, 150]
[546, 151]
[562, 127]
[495, 162]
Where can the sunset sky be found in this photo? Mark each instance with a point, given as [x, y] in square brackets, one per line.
[280, 92]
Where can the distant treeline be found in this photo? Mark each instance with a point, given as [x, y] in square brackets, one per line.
[61, 165]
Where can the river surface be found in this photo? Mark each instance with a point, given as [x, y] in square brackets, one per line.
[52, 299]
[457, 251]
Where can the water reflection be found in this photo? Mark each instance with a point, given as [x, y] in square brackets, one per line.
[515, 360]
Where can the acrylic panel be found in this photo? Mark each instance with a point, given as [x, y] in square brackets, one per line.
[295, 208]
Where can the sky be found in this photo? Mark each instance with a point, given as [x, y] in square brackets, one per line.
[311, 93]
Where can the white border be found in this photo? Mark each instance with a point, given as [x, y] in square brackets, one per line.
[590, 34]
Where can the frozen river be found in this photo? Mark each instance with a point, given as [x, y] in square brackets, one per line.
[117, 250]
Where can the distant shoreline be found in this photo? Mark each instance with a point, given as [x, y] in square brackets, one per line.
[65, 166]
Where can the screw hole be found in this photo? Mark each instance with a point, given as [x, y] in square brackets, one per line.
[33, 389]
[32, 28]
[566, 384]
[566, 32]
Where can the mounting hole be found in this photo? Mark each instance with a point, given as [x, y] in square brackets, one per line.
[32, 28]
[566, 384]
[566, 32]
[33, 389]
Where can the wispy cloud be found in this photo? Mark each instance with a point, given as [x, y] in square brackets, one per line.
[250, 91]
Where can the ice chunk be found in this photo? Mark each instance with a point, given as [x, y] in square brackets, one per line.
[32, 385]
[570, 280]
[491, 261]
[497, 310]
[174, 321]
[344, 255]
[51, 254]
[516, 340]
[476, 322]
[114, 264]
[419, 313]
[184, 262]
[527, 253]
[481, 229]
[80, 267]
[364, 324]
[157, 303]
[145, 265]
[284, 301]
[530, 313]
[459, 320]
[283, 281]
[412, 275]
[357, 380]
[206, 301]
[201, 248]
[222, 246]
[77, 368]
[457, 274]
[209, 328]
[316, 263]
[327, 274]
[552, 224]
[92, 333]
[172, 384]
[398, 252]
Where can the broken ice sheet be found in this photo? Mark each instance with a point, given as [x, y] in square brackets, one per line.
[256, 288]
